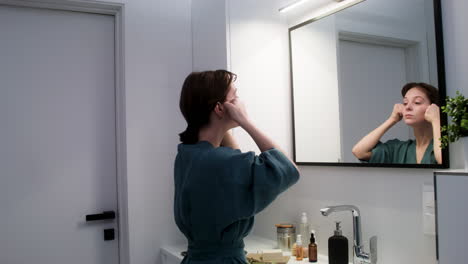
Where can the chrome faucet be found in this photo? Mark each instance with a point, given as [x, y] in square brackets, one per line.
[360, 257]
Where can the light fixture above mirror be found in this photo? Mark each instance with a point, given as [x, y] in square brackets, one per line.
[317, 9]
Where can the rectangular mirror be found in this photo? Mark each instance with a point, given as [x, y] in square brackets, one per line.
[347, 74]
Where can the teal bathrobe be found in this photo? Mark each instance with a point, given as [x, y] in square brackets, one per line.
[396, 151]
[217, 193]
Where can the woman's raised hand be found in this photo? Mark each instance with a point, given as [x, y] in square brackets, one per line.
[236, 110]
[397, 113]
[432, 114]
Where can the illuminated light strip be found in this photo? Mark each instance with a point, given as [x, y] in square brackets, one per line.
[335, 8]
[292, 5]
[342, 4]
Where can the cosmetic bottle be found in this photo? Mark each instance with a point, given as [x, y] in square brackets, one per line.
[304, 229]
[312, 248]
[338, 247]
[285, 236]
[299, 251]
[305, 251]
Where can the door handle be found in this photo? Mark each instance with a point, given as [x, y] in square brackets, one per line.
[104, 216]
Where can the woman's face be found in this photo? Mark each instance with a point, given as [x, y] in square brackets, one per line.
[415, 104]
[232, 93]
[230, 97]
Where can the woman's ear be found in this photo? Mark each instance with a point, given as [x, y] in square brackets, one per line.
[219, 110]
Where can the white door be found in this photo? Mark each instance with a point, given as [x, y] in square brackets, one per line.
[57, 136]
[371, 78]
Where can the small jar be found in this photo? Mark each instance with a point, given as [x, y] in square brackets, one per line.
[286, 234]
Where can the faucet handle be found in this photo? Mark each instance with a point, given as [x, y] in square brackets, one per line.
[373, 249]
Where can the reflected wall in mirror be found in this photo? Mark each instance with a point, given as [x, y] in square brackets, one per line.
[347, 74]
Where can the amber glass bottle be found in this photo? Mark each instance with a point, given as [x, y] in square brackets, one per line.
[312, 249]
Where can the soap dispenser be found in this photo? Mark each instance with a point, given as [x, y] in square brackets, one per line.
[338, 247]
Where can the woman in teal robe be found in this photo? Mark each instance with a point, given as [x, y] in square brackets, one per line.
[420, 111]
[218, 188]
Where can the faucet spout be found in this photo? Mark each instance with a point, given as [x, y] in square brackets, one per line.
[359, 253]
[338, 208]
[356, 220]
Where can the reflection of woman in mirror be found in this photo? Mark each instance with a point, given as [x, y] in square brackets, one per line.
[419, 110]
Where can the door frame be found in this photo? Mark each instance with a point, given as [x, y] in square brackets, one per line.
[412, 50]
[117, 11]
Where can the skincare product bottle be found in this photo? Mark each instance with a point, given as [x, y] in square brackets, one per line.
[305, 251]
[299, 251]
[338, 247]
[304, 229]
[312, 248]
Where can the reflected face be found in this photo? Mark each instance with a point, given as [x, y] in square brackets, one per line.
[415, 104]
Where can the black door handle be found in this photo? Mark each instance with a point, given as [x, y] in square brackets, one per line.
[104, 216]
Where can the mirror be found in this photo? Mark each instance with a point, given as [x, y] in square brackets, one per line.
[347, 73]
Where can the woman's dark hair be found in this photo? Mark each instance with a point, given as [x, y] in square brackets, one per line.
[431, 92]
[201, 92]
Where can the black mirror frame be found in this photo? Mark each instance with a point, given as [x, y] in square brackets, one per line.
[442, 92]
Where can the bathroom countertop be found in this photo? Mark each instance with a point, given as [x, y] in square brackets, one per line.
[253, 244]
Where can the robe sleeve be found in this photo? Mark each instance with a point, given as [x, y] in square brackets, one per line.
[380, 153]
[253, 183]
[387, 152]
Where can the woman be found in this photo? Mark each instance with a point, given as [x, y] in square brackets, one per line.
[219, 189]
[420, 111]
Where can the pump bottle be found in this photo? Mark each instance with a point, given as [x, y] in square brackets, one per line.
[304, 230]
[338, 247]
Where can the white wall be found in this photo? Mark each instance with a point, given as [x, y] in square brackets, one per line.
[390, 199]
[157, 59]
[456, 43]
[259, 55]
[315, 80]
[210, 43]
